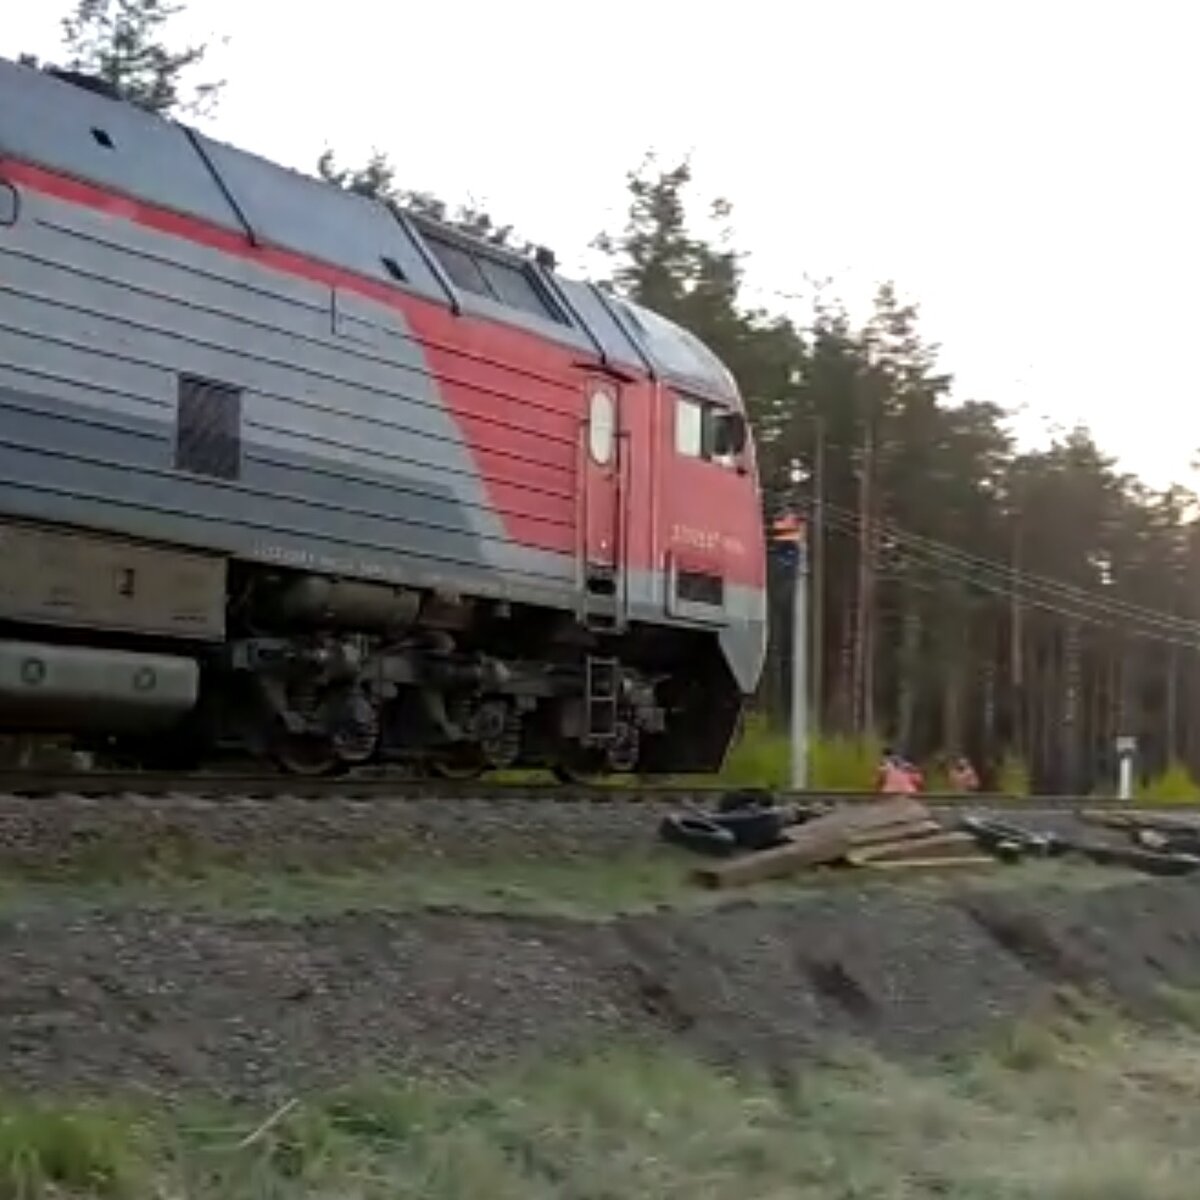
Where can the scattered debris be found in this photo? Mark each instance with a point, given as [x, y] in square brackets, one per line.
[937, 846]
[825, 839]
[1179, 826]
[1162, 843]
[760, 840]
[938, 862]
[1011, 842]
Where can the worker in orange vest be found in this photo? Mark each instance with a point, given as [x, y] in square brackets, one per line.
[896, 776]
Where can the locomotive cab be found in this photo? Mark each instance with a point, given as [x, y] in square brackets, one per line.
[708, 544]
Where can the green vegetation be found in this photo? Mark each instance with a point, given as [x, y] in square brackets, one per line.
[1083, 1107]
[1013, 777]
[1175, 785]
[47, 1149]
[762, 758]
[587, 888]
[130, 45]
[597, 889]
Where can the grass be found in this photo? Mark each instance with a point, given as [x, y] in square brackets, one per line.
[1175, 785]
[1085, 1107]
[762, 759]
[584, 889]
[83, 1150]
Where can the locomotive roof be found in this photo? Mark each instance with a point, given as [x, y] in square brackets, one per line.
[67, 126]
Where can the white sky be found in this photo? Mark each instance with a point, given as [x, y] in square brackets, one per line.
[1025, 171]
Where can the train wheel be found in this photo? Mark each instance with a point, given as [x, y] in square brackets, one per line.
[460, 771]
[463, 764]
[582, 767]
[566, 774]
[306, 754]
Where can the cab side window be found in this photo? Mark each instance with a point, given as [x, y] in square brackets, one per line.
[707, 432]
[689, 428]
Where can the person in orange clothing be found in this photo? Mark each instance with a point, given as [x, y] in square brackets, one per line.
[896, 776]
[915, 774]
[963, 777]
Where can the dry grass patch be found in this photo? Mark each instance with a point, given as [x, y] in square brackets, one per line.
[1084, 1107]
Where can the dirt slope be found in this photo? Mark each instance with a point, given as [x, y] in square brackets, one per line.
[251, 1007]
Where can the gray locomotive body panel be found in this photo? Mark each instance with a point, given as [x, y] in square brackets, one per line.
[350, 462]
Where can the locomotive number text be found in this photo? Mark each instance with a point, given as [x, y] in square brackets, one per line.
[706, 539]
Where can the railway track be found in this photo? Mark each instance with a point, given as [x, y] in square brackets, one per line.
[240, 785]
[126, 825]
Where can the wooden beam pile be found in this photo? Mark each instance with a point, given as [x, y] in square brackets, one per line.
[890, 835]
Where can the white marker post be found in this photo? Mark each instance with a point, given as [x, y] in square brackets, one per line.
[1126, 749]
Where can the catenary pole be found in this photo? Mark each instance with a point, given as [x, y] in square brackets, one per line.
[789, 537]
[799, 706]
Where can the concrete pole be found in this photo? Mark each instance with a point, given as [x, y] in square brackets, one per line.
[817, 633]
[799, 705]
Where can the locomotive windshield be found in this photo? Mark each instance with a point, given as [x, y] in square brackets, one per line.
[680, 352]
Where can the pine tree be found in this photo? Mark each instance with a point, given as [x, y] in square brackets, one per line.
[124, 43]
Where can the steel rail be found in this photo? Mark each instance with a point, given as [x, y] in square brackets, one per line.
[217, 785]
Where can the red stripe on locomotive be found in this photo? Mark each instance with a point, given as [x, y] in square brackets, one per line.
[478, 364]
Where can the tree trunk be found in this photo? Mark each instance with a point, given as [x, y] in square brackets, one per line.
[955, 672]
[910, 667]
[819, 572]
[864, 590]
[1071, 708]
[843, 697]
[1172, 747]
[987, 736]
[1017, 652]
[870, 634]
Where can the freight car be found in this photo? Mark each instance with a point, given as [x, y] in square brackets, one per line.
[289, 473]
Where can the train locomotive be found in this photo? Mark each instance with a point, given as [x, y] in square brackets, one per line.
[288, 473]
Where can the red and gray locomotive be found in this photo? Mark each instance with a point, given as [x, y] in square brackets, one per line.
[287, 472]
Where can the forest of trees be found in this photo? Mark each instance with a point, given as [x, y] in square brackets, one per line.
[965, 596]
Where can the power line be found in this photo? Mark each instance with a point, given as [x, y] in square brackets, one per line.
[975, 573]
[1133, 609]
[847, 523]
[1112, 606]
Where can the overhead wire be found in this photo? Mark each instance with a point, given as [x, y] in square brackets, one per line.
[951, 566]
[1130, 607]
[1111, 605]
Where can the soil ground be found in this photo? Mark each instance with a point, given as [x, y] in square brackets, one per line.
[179, 1000]
[249, 949]
[266, 955]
